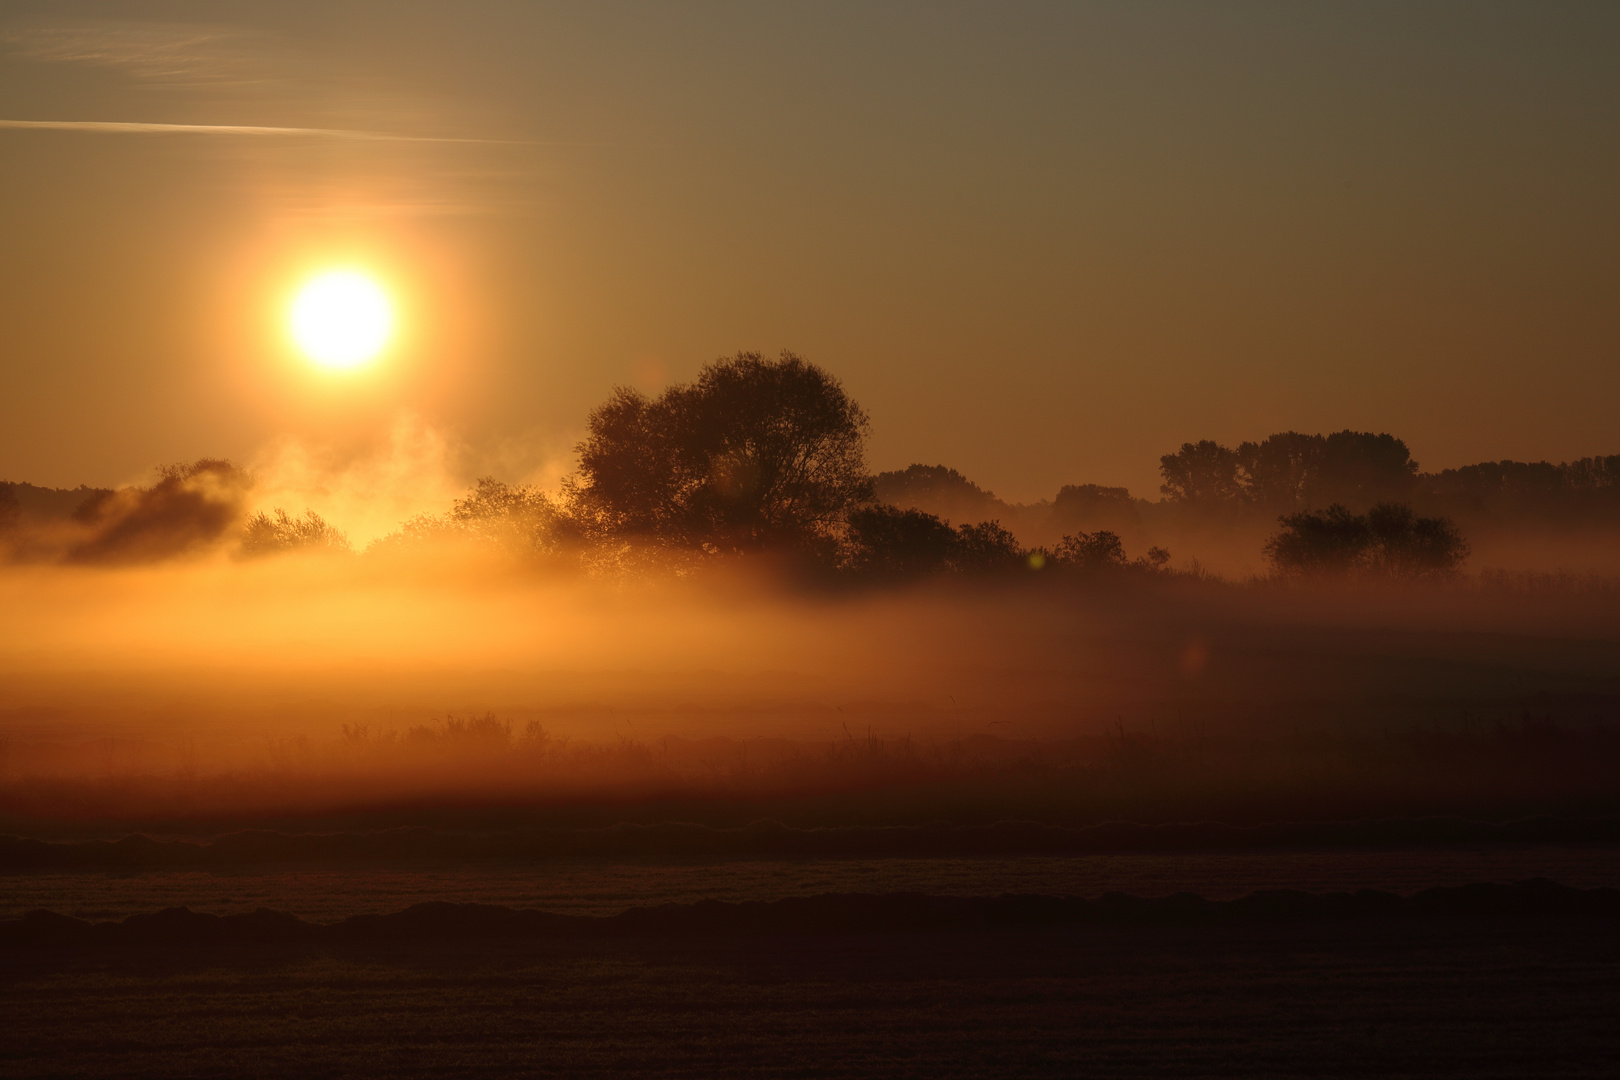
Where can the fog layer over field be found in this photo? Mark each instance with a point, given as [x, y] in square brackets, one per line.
[325, 682]
[723, 604]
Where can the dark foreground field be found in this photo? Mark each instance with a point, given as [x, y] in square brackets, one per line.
[1475, 981]
[781, 841]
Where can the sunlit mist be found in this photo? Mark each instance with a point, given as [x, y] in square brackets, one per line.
[341, 319]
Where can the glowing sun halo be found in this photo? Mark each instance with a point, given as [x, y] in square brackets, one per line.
[341, 319]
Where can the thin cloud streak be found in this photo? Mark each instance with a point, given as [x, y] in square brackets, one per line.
[124, 127]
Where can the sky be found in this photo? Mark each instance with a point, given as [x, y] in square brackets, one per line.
[1040, 243]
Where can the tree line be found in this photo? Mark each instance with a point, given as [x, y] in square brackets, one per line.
[767, 455]
[763, 455]
[1289, 472]
[757, 456]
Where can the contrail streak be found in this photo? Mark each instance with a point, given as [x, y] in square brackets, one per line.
[122, 127]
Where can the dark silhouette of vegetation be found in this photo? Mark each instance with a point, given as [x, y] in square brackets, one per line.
[1104, 551]
[1093, 504]
[1389, 540]
[1101, 550]
[273, 534]
[756, 454]
[768, 456]
[10, 508]
[938, 490]
[190, 507]
[1201, 474]
[888, 542]
[987, 548]
[1587, 489]
[1290, 471]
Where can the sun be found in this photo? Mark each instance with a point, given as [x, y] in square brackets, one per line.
[341, 319]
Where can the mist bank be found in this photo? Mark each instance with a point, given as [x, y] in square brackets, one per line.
[220, 691]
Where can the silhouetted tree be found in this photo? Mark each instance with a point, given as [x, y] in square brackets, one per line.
[938, 490]
[1326, 541]
[1100, 550]
[1407, 546]
[10, 508]
[1358, 468]
[756, 453]
[1389, 539]
[1587, 489]
[886, 541]
[1103, 551]
[1203, 474]
[1279, 473]
[1155, 558]
[1290, 471]
[1091, 504]
[985, 548]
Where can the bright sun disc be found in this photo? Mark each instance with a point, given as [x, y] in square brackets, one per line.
[341, 319]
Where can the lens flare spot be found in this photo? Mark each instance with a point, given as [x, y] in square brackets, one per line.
[341, 319]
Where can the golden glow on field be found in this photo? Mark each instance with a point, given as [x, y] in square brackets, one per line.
[341, 319]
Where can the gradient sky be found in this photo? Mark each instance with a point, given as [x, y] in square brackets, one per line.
[1042, 243]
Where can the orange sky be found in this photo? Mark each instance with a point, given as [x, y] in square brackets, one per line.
[1041, 243]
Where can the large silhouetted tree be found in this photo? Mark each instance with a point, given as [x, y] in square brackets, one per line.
[756, 453]
[1278, 475]
[1358, 468]
[1203, 474]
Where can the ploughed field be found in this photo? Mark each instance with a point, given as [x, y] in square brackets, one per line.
[1510, 981]
[602, 887]
[120, 960]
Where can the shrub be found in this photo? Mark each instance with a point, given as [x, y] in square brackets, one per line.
[986, 547]
[1389, 540]
[273, 535]
[1100, 550]
[888, 542]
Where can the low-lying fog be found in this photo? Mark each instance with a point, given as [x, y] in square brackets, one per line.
[310, 665]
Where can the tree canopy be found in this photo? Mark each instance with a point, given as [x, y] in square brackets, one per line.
[1291, 471]
[1388, 540]
[756, 453]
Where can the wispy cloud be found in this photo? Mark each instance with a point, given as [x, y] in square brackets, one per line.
[187, 54]
[259, 98]
[123, 127]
